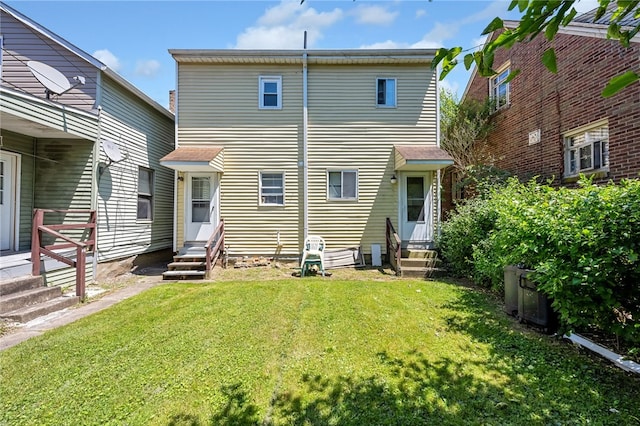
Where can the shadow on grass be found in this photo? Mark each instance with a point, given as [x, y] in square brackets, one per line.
[528, 379]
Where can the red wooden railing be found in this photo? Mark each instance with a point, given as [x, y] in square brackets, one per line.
[82, 247]
[214, 253]
[394, 247]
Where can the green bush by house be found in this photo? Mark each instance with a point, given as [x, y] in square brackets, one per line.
[583, 243]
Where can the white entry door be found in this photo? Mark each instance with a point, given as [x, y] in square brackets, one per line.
[8, 178]
[201, 217]
[416, 221]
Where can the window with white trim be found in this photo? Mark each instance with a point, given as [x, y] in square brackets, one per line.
[271, 188]
[586, 151]
[342, 185]
[270, 88]
[386, 92]
[145, 194]
[500, 88]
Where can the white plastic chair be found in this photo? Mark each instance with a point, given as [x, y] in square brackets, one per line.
[313, 254]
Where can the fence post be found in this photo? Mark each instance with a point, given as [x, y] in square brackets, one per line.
[38, 220]
[81, 262]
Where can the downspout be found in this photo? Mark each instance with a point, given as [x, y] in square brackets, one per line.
[305, 154]
[438, 173]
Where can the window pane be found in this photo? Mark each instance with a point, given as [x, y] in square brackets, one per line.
[382, 91]
[200, 211]
[270, 100]
[415, 199]
[144, 181]
[597, 155]
[200, 189]
[270, 87]
[349, 184]
[273, 199]
[391, 92]
[572, 162]
[144, 208]
[272, 179]
[585, 158]
[335, 185]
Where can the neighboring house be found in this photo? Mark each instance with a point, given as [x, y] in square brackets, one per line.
[290, 143]
[558, 126]
[52, 150]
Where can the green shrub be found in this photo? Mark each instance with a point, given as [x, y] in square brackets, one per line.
[583, 243]
[462, 232]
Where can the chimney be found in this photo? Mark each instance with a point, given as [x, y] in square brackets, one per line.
[172, 101]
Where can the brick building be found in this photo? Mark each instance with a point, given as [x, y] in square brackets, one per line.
[557, 126]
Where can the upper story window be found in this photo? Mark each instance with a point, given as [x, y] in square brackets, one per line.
[342, 185]
[587, 150]
[145, 194]
[270, 92]
[271, 188]
[386, 92]
[499, 88]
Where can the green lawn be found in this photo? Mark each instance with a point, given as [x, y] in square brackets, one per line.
[308, 351]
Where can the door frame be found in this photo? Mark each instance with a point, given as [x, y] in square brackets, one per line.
[215, 200]
[16, 173]
[402, 204]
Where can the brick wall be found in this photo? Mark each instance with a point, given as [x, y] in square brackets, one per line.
[556, 103]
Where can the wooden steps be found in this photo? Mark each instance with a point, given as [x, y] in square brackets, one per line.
[189, 263]
[421, 263]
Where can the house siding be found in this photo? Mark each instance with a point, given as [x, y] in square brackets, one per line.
[143, 137]
[218, 105]
[557, 103]
[22, 44]
[348, 132]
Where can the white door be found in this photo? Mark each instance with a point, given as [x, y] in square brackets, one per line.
[7, 200]
[416, 221]
[201, 217]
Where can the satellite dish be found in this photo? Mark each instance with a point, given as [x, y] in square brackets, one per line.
[111, 150]
[53, 80]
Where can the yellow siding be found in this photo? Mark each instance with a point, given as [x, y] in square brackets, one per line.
[352, 133]
[218, 106]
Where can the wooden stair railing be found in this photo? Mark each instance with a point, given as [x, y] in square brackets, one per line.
[214, 253]
[394, 247]
[82, 247]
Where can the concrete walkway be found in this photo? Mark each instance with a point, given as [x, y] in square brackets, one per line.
[38, 326]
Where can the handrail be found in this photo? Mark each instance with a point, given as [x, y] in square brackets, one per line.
[213, 254]
[394, 247]
[37, 249]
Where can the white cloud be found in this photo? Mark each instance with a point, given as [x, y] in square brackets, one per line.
[436, 37]
[374, 15]
[108, 58]
[283, 26]
[147, 68]
[420, 13]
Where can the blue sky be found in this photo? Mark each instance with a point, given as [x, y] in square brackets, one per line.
[132, 37]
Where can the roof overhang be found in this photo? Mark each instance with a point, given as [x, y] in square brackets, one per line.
[195, 159]
[421, 158]
[342, 56]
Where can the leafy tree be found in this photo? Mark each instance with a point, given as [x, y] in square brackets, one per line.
[546, 17]
[463, 130]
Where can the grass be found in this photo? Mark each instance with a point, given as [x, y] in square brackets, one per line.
[313, 351]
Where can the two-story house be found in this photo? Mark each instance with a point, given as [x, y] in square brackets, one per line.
[289, 143]
[558, 126]
[92, 145]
